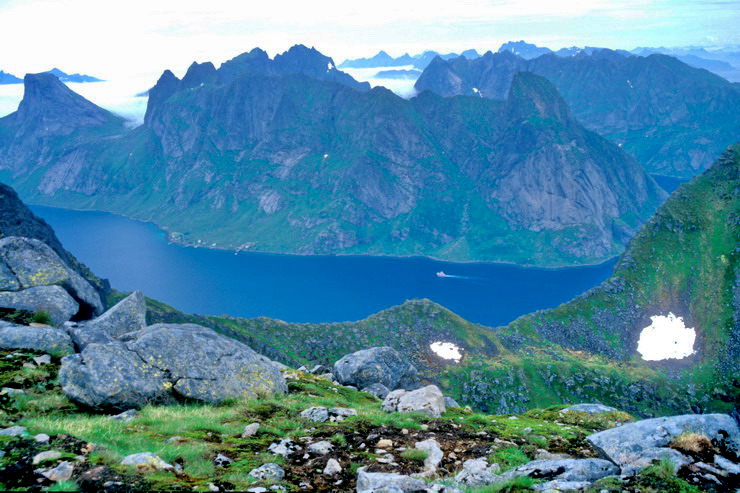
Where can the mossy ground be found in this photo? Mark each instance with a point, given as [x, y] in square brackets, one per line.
[191, 435]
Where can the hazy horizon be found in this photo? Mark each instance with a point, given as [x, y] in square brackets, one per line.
[141, 39]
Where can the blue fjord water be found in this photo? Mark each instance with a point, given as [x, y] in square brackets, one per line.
[135, 255]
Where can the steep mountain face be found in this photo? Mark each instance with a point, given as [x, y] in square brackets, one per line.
[672, 118]
[51, 119]
[293, 163]
[16, 219]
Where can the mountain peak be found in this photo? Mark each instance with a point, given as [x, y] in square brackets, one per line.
[198, 74]
[532, 95]
[46, 99]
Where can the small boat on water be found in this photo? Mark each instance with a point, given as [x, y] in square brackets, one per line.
[441, 274]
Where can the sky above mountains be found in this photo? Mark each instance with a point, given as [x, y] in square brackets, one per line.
[141, 37]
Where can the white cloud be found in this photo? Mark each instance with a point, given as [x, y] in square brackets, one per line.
[137, 37]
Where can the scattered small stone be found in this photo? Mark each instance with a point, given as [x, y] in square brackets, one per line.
[213, 487]
[434, 452]
[47, 455]
[12, 392]
[42, 360]
[145, 462]
[404, 431]
[284, 447]
[42, 438]
[13, 431]
[222, 461]
[269, 471]
[384, 443]
[29, 365]
[125, 416]
[177, 439]
[62, 472]
[257, 489]
[332, 467]
[320, 448]
[316, 414]
[250, 430]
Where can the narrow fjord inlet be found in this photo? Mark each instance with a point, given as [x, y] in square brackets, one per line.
[370, 247]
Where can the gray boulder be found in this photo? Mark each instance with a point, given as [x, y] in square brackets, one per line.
[388, 482]
[378, 390]
[450, 402]
[52, 299]
[268, 472]
[566, 469]
[382, 365]
[629, 445]
[33, 264]
[110, 376]
[428, 400]
[146, 462]
[128, 315]
[589, 408]
[316, 414]
[166, 361]
[42, 339]
[477, 472]
[431, 446]
[84, 336]
[207, 366]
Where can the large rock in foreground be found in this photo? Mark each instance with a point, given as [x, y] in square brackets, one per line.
[383, 365]
[128, 315]
[41, 339]
[29, 263]
[164, 363]
[53, 300]
[634, 445]
[427, 400]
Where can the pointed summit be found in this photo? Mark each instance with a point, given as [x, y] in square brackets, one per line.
[50, 105]
[167, 85]
[533, 96]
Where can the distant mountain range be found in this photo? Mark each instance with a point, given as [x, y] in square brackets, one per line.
[420, 61]
[675, 119]
[291, 155]
[6, 78]
[723, 62]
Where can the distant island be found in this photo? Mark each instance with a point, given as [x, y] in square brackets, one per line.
[398, 74]
[6, 78]
[65, 77]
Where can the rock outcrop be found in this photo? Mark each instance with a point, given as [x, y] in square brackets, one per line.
[41, 339]
[29, 263]
[635, 445]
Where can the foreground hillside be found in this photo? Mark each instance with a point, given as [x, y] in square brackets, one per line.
[290, 155]
[121, 402]
[673, 118]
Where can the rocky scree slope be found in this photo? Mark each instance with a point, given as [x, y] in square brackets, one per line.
[674, 119]
[255, 155]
